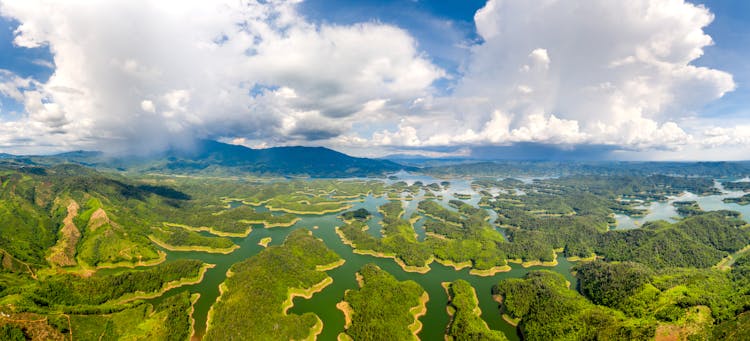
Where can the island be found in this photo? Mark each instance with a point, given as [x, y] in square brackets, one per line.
[258, 291]
[383, 308]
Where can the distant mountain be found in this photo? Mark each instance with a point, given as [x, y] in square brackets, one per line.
[737, 169]
[421, 161]
[310, 161]
[208, 157]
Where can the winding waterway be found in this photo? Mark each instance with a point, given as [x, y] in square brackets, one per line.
[436, 320]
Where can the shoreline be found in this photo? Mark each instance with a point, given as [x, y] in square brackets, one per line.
[448, 309]
[167, 286]
[195, 248]
[579, 259]
[193, 299]
[477, 310]
[331, 266]
[454, 265]
[315, 330]
[528, 264]
[511, 321]
[304, 293]
[268, 225]
[416, 269]
[491, 271]
[348, 312]
[213, 231]
[408, 268]
[435, 235]
[222, 290]
[323, 212]
[162, 258]
[265, 241]
[438, 218]
[417, 312]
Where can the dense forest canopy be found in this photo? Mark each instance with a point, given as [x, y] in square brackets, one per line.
[84, 250]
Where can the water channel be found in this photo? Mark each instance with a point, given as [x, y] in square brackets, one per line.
[436, 320]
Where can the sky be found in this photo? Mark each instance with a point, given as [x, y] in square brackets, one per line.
[626, 80]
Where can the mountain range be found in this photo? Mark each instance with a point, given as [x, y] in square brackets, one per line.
[208, 157]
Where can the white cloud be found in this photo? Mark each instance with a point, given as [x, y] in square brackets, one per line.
[13, 86]
[570, 72]
[196, 64]
[148, 106]
[540, 58]
[735, 136]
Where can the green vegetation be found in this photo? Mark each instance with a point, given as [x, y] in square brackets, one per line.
[64, 226]
[568, 168]
[434, 210]
[687, 208]
[737, 185]
[574, 214]
[462, 196]
[169, 320]
[254, 295]
[312, 197]
[11, 332]
[106, 242]
[743, 200]
[466, 323]
[548, 310]
[359, 214]
[28, 229]
[609, 284]
[464, 236]
[383, 308]
[554, 215]
[699, 241]
[737, 328]
[175, 237]
[433, 187]
[454, 238]
[74, 293]
[112, 223]
[399, 239]
[230, 222]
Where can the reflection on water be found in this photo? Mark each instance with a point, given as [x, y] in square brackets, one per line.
[665, 210]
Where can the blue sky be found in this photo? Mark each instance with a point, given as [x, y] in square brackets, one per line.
[731, 33]
[426, 19]
[380, 77]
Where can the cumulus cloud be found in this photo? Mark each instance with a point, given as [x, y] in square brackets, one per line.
[12, 86]
[570, 72]
[144, 75]
[147, 75]
[735, 136]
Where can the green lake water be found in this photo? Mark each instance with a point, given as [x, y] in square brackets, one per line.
[324, 303]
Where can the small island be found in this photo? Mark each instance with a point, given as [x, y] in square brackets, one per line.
[259, 291]
[687, 208]
[743, 200]
[383, 308]
[265, 241]
[466, 321]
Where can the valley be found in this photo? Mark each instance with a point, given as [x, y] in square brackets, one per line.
[204, 236]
